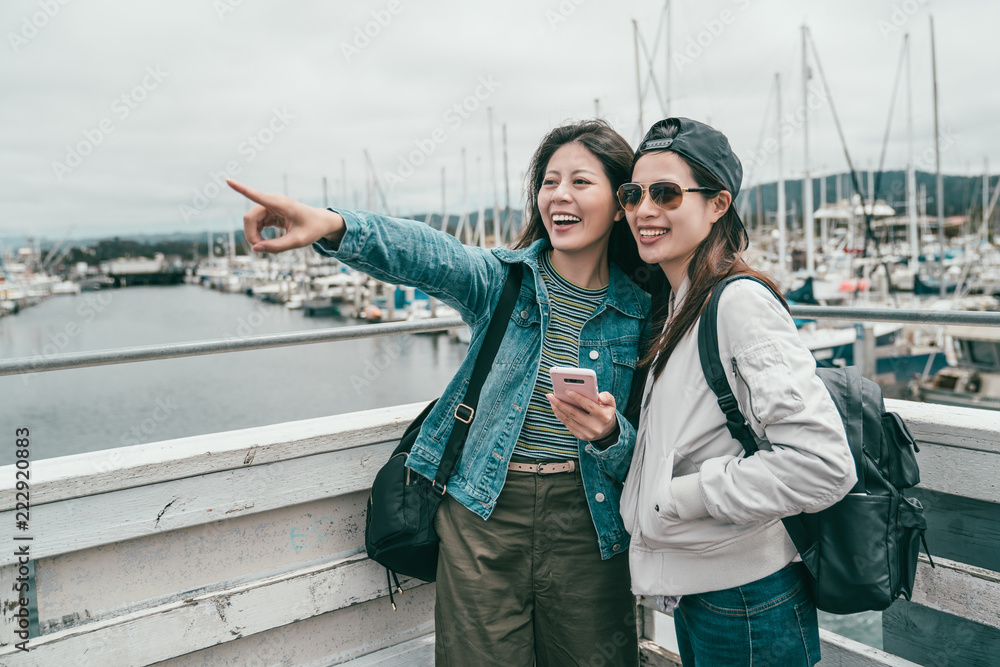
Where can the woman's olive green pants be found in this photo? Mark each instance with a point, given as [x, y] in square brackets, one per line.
[528, 586]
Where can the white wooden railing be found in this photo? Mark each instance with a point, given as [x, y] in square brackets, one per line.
[246, 548]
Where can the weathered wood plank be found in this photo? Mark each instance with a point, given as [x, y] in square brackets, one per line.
[839, 651]
[967, 428]
[9, 605]
[962, 472]
[82, 586]
[937, 639]
[417, 652]
[125, 467]
[90, 521]
[959, 589]
[362, 634]
[652, 654]
[961, 529]
[167, 631]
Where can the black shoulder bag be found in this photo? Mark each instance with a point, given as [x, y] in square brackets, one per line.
[399, 527]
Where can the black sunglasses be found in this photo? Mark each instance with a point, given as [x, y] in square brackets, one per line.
[665, 194]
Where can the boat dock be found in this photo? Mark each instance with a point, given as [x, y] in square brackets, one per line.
[246, 547]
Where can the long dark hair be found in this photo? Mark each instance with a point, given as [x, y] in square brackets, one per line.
[615, 155]
[720, 255]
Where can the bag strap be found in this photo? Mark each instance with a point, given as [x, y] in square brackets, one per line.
[715, 374]
[466, 410]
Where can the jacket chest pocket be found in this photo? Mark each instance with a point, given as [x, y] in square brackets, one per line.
[623, 360]
[614, 364]
[523, 331]
[526, 312]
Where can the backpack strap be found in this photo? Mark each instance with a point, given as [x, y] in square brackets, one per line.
[715, 374]
[466, 410]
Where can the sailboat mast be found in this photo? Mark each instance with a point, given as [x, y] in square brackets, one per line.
[911, 172]
[343, 182]
[666, 55]
[807, 191]
[638, 76]
[464, 219]
[508, 233]
[493, 179]
[444, 205]
[824, 225]
[780, 218]
[480, 206]
[985, 232]
[937, 166]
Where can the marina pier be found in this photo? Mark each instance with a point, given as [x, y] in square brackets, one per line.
[246, 547]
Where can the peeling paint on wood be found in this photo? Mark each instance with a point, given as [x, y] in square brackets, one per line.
[249, 457]
[158, 516]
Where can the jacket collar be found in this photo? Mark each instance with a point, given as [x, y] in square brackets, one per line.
[623, 295]
[677, 298]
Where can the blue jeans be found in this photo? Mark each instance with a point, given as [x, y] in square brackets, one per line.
[771, 621]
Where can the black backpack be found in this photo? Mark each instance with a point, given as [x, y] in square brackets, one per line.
[861, 552]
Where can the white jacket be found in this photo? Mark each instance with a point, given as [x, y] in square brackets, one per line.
[702, 516]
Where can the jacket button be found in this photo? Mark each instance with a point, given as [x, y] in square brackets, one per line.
[599, 497]
[594, 354]
[525, 313]
[617, 547]
[656, 507]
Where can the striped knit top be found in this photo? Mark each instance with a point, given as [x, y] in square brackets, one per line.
[542, 435]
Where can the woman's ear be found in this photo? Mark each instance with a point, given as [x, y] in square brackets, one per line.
[619, 215]
[720, 204]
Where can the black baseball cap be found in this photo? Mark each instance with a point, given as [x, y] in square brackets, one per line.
[699, 143]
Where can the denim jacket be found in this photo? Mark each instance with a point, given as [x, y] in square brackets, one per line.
[470, 280]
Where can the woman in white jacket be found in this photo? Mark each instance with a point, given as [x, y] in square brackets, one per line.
[705, 520]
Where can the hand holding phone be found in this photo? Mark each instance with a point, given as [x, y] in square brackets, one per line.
[581, 380]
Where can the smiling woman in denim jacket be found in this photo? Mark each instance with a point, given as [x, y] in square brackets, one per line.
[705, 521]
[542, 580]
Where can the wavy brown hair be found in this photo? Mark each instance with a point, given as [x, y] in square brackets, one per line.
[719, 256]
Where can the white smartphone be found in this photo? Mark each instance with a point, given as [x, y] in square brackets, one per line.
[581, 380]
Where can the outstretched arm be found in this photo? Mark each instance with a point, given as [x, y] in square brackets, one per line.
[394, 251]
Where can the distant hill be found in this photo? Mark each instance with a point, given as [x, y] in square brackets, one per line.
[962, 194]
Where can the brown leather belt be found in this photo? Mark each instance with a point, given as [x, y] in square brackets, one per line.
[547, 468]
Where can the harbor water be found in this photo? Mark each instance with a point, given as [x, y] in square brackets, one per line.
[88, 409]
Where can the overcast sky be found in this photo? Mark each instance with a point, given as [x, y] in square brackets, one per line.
[116, 115]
